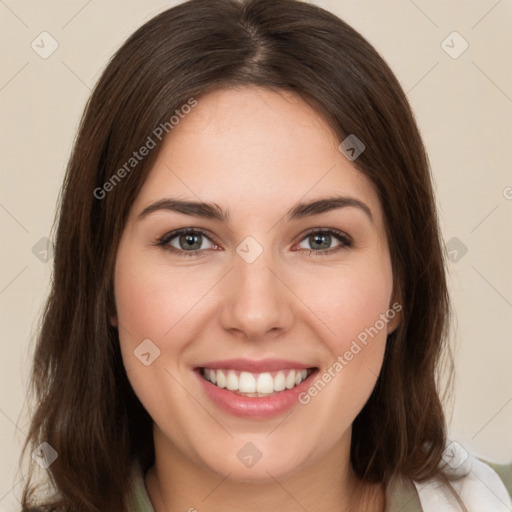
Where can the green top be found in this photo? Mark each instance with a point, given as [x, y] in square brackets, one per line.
[139, 499]
[505, 473]
[401, 494]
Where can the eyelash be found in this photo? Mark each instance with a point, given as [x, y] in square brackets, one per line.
[163, 242]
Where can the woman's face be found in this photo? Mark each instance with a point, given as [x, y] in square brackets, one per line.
[252, 294]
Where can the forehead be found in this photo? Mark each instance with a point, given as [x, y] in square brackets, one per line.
[254, 150]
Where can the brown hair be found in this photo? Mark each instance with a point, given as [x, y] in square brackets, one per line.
[86, 408]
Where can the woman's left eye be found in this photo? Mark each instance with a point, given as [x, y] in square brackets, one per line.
[190, 242]
[322, 240]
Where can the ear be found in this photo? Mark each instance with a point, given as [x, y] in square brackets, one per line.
[111, 310]
[395, 312]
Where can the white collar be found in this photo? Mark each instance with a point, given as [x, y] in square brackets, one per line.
[478, 485]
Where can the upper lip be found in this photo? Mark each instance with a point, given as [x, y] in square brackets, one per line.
[255, 366]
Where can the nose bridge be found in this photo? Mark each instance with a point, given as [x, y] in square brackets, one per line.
[258, 300]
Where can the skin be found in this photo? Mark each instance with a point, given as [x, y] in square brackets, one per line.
[255, 153]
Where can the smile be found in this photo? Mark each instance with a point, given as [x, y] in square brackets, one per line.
[255, 384]
[254, 389]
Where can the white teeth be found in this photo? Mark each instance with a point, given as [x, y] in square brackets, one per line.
[290, 380]
[265, 383]
[232, 381]
[221, 379]
[247, 383]
[255, 384]
[280, 381]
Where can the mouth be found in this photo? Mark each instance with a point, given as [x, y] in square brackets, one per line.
[255, 389]
[256, 385]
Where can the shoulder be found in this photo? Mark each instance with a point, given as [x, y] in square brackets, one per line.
[477, 484]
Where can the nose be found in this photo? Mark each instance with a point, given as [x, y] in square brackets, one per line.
[257, 302]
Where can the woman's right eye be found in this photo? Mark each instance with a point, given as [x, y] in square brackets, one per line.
[184, 242]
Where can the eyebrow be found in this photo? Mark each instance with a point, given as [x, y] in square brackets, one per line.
[215, 212]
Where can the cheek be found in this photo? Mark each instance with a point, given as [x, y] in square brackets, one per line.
[154, 305]
[158, 303]
[355, 306]
[351, 301]
[152, 300]
[147, 308]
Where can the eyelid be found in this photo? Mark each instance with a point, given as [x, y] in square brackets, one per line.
[164, 241]
[344, 239]
[340, 234]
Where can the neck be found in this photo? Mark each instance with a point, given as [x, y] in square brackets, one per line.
[177, 483]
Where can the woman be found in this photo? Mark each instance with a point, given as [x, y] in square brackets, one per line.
[249, 300]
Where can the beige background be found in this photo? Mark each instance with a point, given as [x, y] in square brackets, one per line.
[464, 109]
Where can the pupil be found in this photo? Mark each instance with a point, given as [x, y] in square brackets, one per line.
[189, 240]
[316, 239]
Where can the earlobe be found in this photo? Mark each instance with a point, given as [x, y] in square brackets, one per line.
[395, 312]
[113, 321]
[394, 323]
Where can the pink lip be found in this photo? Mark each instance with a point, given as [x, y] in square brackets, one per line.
[252, 366]
[253, 407]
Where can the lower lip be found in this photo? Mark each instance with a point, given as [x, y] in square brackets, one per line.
[254, 407]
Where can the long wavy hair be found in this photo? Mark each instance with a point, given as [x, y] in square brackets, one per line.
[83, 404]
